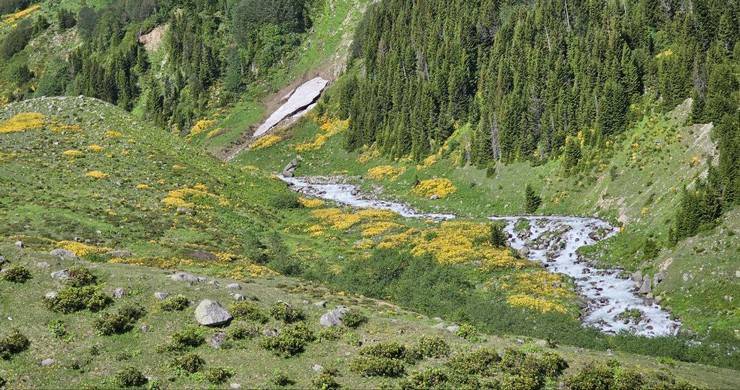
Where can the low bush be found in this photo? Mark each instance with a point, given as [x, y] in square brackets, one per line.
[73, 299]
[58, 329]
[190, 363]
[468, 332]
[80, 276]
[175, 303]
[550, 364]
[189, 337]
[130, 377]
[290, 341]
[428, 379]
[13, 343]
[3, 382]
[243, 331]
[325, 381]
[479, 362]
[218, 375]
[285, 200]
[119, 322]
[519, 382]
[391, 350]
[283, 311]
[248, 311]
[354, 318]
[369, 365]
[432, 347]
[627, 379]
[281, 379]
[16, 274]
[591, 377]
[331, 333]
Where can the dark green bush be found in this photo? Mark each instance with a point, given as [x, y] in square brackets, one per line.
[290, 341]
[353, 318]
[190, 363]
[248, 311]
[498, 237]
[591, 377]
[369, 365]
[80, 276]
[281, 379]
[550, 364]
[325, 381]
[175, 303]
[432, 347]
[627, 379]
[130, 377]
[73, 299]
[16, 274]
[13, 343]
[58, 328]
[218, 375]
[189, 337]
[331, 333]
[468, 332]
[478, 362]
[121, 321]
[431, 378]
[519, 382]
[283, 311]
[391, 350]
[3, 382]
[285, 200]
[243, 331]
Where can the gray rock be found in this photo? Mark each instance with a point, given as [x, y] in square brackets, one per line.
[333, 317]
[202, 255]
[120, 254]
[40, 264]
[217, 340]
[637, 277]
[119, 292]
[269, 332]
[161, 295]
[440, 325]
[19, 245]
[234, 286]
[60, 275]
[659, 277]
[184, 210]
[211, 313]
[47, 362]
[453, 328]
[185, 277]
[59, 252]
[2, 260]
[51, 295]
[317, 368]
[320, 304]
[523, 252]
[144, 328]
[289, 170]
[434, 197]
[645, 288]
[235, 386]
[214, 283]
[238, 297]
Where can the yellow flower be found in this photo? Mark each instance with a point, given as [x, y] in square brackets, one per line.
[80, 249]
[435, 187]
[11, 19]
[310, 203]
[142, 186]
[329, 127]
[336, 218]
[385, 172]
[22, 122]
[95, 148]
[72, 153]
[533, 303]
[96, 175]
[201, 126]
[375, 229]
[265, 142]
[113, 134]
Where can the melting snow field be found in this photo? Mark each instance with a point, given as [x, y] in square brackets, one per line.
[553, 241]
[298, 103]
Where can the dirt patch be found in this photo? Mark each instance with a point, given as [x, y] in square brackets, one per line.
[153, 39]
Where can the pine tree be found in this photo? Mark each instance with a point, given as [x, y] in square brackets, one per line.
[532, 201]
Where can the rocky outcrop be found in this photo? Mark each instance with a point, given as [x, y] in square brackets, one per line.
[289, 170]
[333, 317]
[211, 313]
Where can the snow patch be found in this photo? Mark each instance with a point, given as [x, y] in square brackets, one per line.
[303, 97]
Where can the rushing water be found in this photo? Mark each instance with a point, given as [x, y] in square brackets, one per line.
[553, 241]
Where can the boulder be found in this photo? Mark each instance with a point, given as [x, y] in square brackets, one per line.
[211, 313]
[659, 277]
[637, 277]
[119, 292]
[238, 297]
[161, 295]
[186, 277]
[19, 244]
[333, 317]
[453, 328]
[234, 286]
[2, 260]
[120, 254]
[289, 170]
[523, 252]
[47, 362]
[320, 304]
[317, 368]
[645, 288]
[59, 252]
[60, 275]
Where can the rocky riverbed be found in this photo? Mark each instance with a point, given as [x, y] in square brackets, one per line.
[613, 302]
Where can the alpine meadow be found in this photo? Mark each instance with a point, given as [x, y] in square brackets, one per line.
[370, 194]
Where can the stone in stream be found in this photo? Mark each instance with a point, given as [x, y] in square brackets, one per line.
[211, 313]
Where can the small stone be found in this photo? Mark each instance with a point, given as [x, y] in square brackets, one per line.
[235, 386]
[234, 286]
[59, 252]
[211, 313]
[320, 304]
[47, 362]
[453, 328]
[119, 292]
[19, 244]
[60, 275]
[645, 288]
[317, 368]
[238, 297]
[184, 277]
[2, 260]
[523, 252]
[40, 264]
[51, 295]
[161, 295]
[217, 340]
[144, 328]
[269, 332]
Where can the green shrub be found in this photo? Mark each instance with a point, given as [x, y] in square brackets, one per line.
[290, 341]
[80, 276]
[626, 379]
[428, 379]
[175, 303]
[285, 200]
[281, 379]
[16, 274]
[519, 382]
[591, 377]
[57, 328]
[498, 237]
[377, 366]
[73, 299]
[512, 360]
[284, 312]
[432, 347]
[218, 375]
[468, 332]
[3, 382]
[130, 377]
[325, 381]
[331, 333]
[354, 318]
[243, 331]
[189, 337]
[478, 362]
[190, 363]
[121, 321]
[248, 311]
[13, 343]
[391, 350]
[551, 365]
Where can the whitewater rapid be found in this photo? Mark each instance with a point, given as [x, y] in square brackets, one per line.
[552, 241]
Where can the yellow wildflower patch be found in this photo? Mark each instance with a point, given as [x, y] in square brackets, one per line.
[178, 167]
[142, 186]
[96, 175]
[329, 128]
[182, 197]
[213, 133]
[22, 14]
[376, 214]
[80, 249]
[664, 53]
[310, 203]
[435, 187]
[22, 122]
[72, 153]
[368, 154]
[336, 218]
[95, 148]
[6, 156]
[393, 241]
[201, 126]
[529, 302]
[242, 272]
[456, 242]
[113, 134]
[375, 229]
[316, 231]
[265, 142]
[385, 172]
[364, 244]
